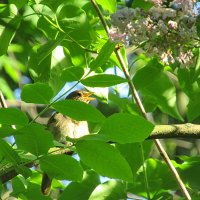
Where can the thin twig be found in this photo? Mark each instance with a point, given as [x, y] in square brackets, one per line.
[141, 107]
[2, 100]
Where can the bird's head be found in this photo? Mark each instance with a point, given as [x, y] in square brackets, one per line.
[81, 95]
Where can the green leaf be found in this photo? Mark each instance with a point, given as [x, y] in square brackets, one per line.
[126, 128]
[18, 186]
[81, 190]
[39, 72]
[47, 48]
[62, 167]
[103, 55]
[159, 176]
[189, 170]
[112, 189]
[198, 26]
[132, 153]
[108, 5]
[13, 116]
[52, 4]
[37, 93]
[146, 5]
[76, 53]
[34, 139]
[126, 105]
[48, 29]
[8, 34]
[72, 74]
[103, 80]
[193, 107]
[19, 3]
[79, 111]
[164, 94]
[104, 159]
[148, 74]
[6, 131]
[8, 153]
[33, 191]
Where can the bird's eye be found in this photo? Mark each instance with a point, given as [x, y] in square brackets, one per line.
[79, 94]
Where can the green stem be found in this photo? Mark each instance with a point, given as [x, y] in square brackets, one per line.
[144, 171]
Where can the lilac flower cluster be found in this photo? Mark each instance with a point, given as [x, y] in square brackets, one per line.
[165, 32]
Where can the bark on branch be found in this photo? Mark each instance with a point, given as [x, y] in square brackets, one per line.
[176, 131]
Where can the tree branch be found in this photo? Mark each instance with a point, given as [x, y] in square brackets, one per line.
[176, 131]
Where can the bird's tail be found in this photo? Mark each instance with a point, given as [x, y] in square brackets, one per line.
[46, 184]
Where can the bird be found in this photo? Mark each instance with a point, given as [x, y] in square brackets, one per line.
[62, 126]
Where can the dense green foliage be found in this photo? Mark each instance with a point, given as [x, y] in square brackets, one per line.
[45, 44]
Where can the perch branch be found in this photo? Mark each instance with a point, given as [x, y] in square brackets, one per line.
[176, 131]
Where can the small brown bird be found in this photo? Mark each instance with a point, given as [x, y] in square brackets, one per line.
[62, 126]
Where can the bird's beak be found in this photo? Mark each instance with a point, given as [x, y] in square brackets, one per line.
[86, 96]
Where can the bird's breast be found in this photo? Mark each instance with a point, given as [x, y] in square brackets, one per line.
[62, 126]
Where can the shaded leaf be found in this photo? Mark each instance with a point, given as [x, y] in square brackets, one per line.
[6, 131]
[104, 159]
[142, 4]
[37, 93]
[148, 74]
[62, 167]
[193, 107]
[8, 153]
[8, 34]
[34, 139]
[132, 153]
[164, 94]
[33, 192]
[126, 128]
[13, 116]
[39, 72]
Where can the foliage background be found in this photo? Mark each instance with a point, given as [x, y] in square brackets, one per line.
[44, 45]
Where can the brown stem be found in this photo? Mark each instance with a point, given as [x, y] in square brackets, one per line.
[141, 107]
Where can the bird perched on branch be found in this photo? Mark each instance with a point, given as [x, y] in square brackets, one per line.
[62, 126]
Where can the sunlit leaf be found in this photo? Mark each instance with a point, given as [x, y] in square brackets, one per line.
[108, 5]
[112, 189]
[103, 80]
[81, 190]
[104, 159]
[126, 128]
[103, 55]
[79, 110]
